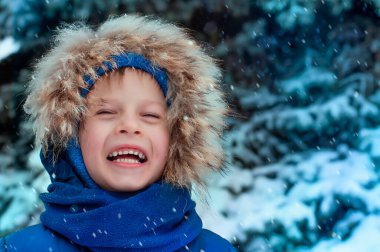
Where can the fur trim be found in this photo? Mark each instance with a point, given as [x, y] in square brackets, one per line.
[197, 111]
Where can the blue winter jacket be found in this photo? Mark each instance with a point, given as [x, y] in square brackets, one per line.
[39, 238]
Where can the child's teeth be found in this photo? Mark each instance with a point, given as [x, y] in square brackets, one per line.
[125, 152]
[127, 160]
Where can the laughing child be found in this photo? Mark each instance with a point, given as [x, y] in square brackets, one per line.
[129, 117]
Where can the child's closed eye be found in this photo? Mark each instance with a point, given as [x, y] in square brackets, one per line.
[151, 115]
[105, 112]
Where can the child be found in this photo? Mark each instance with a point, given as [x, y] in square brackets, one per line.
[128, 118]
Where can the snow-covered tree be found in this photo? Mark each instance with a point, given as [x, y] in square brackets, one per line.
[303, 145]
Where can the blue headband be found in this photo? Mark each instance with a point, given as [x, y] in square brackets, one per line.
[129, 60]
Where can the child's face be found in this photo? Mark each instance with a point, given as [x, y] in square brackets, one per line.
[127, 112]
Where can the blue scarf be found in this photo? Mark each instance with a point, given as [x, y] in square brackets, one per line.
[160, 217]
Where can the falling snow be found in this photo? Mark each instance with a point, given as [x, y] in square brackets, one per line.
[304, 150]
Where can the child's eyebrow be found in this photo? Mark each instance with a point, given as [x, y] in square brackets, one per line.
[100, 101]
[153, 103]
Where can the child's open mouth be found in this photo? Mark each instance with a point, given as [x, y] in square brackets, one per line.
[127, 156]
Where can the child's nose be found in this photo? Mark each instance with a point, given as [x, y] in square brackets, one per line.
[128, 125]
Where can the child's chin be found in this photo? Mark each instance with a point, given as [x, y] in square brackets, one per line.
[127, 187]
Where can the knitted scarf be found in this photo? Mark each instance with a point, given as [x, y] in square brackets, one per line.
[160, 217]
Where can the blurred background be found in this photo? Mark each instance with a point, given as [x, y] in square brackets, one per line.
[304, 148]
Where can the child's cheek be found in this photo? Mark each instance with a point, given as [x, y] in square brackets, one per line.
[90, 139]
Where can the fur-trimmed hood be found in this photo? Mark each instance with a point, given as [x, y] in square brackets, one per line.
[197, 110]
